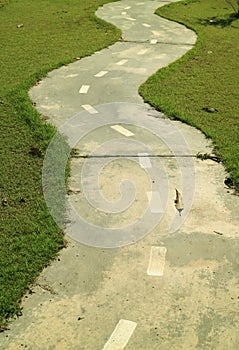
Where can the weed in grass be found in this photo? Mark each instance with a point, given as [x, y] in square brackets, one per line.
[235, 6]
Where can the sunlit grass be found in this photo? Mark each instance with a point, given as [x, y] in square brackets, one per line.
[207, 76]
[53, 33]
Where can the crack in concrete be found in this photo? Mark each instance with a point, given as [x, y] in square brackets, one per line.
[135, 156]
[158, 42]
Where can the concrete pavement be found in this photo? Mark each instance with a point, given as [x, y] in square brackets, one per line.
[176, 287]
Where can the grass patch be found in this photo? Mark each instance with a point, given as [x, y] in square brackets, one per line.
[205, 79]
[35, 37]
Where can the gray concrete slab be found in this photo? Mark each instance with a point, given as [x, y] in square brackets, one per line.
[58, 96]
[137, 23]
[178, 284]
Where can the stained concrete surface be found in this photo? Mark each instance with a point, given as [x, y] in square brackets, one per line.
[77, 301]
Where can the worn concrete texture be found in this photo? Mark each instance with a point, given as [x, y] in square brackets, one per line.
[192, 300]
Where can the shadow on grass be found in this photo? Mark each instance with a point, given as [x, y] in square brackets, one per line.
[220, 22]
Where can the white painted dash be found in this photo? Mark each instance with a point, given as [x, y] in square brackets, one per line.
[120, 63]
[101, 74]
[142, 52]
[84, 89]
[121, 335]
[144, 161]
[90, 109]
[49, 107]
[157, 261]
[146, 25]
[153, 41]
[122, 130]
[155, 202]
[127, 8]
[131, 19]
[123, 13]
[72, 75]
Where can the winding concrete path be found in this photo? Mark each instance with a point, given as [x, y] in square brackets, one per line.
[115, 73]
[169, 290]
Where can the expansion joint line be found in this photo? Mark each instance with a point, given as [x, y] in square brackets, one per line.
[172, 156]
[158, 42]
[134, 156]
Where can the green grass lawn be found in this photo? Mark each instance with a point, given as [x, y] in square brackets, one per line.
[53, 33]
[206, 77]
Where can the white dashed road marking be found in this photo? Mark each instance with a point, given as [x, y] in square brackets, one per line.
[101, 73]
[122, 130]
[49, 107]
[157, 261]
[127, 8]
[146, 25]
[155, 202]
[144, 161]
[142, 52]
[120, 63]
[153, 41]
[72, 75]
[121, 335]
[131, 19]
[90, 109]
[84, 89]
